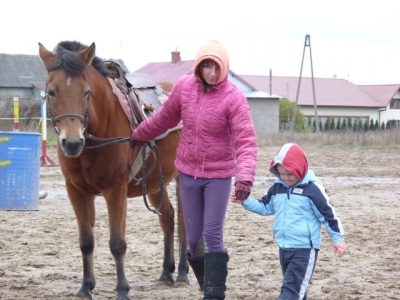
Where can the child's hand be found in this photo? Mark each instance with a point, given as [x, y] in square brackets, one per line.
[234, 200]
[339, 249]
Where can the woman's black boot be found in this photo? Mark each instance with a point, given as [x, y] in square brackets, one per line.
[215, 273]
[197, 264]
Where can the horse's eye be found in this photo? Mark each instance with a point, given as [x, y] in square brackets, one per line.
[52, 93]
[87, 94]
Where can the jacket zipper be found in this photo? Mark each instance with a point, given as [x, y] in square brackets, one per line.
[197, 134]
[284, 222]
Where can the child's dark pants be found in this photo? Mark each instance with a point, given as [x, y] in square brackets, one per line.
[297, 268]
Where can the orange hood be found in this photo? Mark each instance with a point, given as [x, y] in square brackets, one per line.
[218, 53]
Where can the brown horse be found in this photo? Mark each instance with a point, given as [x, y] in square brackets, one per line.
[82, 104]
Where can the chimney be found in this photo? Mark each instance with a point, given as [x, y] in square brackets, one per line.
[176, 56]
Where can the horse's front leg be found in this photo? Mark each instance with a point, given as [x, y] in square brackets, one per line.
[117, 211]
[84, 209]
[167, 224]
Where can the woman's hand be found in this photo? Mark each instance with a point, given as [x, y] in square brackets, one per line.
[242, 189]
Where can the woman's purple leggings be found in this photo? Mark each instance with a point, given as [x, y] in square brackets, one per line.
[204, 203]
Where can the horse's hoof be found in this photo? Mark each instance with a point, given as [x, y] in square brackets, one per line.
[167, 279]
[179, 284]
[84, 295]
[123, 297]
[183, 279]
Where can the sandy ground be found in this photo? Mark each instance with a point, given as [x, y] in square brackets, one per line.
[40, 256]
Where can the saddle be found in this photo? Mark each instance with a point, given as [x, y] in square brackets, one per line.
[140, 98]
[142, 93]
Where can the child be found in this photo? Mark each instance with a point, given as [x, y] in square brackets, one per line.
[300, 205]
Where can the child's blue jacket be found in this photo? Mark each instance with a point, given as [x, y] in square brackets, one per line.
[299, 212]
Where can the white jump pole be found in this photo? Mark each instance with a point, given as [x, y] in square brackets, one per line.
[44, 159]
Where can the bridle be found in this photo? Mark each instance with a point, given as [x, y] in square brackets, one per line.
[84, 120]
[113, 141]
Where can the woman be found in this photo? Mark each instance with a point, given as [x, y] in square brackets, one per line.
[218, 142]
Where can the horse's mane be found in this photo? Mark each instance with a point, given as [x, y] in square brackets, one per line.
[69, 60]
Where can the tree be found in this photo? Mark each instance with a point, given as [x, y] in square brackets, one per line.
[332, 127]
[344, 126]
[360, 125]
[390, 124]
[365, 125]
[320, 125]
[326, 126]
[350, 125]
[338, 125]
[286, 109]
[371, 125]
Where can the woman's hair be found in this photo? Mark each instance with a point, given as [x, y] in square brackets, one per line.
[207, 62]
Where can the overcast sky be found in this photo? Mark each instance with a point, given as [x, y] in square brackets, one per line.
[351, 39]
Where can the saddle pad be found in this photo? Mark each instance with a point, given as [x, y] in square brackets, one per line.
[124, 102]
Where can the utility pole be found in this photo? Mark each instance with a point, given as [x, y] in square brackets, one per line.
[270, 82]
[307, 43]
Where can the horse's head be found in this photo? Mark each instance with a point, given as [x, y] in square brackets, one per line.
[68, 92]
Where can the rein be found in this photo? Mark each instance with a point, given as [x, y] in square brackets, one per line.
[156, 155]
[106, 141]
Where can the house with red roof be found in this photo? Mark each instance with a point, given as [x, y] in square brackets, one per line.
[335, 99]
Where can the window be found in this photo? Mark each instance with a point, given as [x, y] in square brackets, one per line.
[395, 104]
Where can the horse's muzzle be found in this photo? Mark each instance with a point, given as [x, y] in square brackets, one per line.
[72, 147]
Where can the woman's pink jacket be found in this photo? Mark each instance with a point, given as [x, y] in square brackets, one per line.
[218, 138]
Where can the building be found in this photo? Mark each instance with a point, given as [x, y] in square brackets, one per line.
[18, 72]
[336, 99]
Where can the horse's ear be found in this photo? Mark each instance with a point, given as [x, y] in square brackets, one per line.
[47, 57]
[88, 53]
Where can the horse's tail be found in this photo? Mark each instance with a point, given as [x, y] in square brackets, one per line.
[178, 210]
[181, 225]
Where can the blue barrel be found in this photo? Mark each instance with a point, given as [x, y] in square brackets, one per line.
[19, 170]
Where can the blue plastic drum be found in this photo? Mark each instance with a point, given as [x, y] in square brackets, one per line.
[19, 170]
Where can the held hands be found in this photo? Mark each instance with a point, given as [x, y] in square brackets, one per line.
[234, 200]
[242, 190]
[339, 249]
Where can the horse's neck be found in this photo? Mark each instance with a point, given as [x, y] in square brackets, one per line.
[105, 111]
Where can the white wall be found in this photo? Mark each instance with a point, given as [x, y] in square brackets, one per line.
[265, 115]
[10, 93]
[390, 114]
